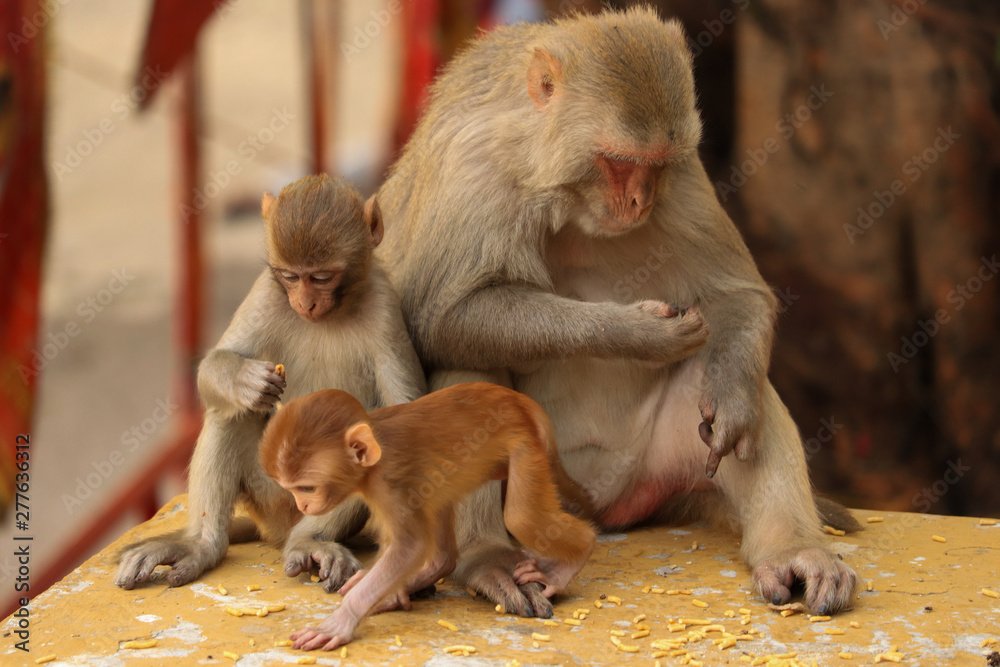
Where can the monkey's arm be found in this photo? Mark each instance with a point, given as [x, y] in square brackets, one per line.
[230, 383]
[511, 325]
[401, 558]
[736, 357]
[740, 310]
[231, 377]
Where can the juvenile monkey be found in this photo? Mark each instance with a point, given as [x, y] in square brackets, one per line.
[592, 212]
[323, 308]
[412, 464]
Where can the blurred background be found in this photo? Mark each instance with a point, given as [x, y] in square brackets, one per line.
[855, 143]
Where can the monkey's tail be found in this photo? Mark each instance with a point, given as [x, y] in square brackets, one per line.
[834, 514]
[574, 499]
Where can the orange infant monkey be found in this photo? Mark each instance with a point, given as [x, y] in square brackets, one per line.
[412, 464]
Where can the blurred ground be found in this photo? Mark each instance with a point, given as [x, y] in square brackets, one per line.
[113, 241]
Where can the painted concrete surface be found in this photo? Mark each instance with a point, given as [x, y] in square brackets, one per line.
[921, 602]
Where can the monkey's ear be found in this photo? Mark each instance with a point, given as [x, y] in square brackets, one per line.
[544, 72]
[361, 445]
[267, 205]
[373, 218]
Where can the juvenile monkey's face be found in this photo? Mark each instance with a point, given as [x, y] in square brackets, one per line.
[313, 292]
[314, 492]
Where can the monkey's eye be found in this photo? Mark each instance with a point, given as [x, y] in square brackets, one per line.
[322, 279]
[306, 489]
[288, 277]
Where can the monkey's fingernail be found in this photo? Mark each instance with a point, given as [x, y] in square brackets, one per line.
[776, 598]
[710, 474]
[822, 609]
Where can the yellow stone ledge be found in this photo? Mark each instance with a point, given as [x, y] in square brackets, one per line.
[923, 601]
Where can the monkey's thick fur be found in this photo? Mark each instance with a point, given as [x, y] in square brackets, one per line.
[520, 240]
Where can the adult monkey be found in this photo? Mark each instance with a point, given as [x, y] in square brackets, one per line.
[553, 166]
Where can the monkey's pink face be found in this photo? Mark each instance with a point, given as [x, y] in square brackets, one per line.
[627, 188]
[312, 293]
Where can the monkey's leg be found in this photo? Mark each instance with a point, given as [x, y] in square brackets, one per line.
[400, 559]
[534, 515]
[442, 560]
[315, 541]
[770, 497]
[222, 454]
[440, 563]
[782, 538]
[487, 559]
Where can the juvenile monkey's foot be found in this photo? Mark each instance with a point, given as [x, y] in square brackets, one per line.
[188, 560]
[830, 583]
[336, 563]
[490, 571]
[552, 574]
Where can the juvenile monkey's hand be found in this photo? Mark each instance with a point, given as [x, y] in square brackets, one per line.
[258, 386]
[731, 418]
[670, 333]
[336, 563]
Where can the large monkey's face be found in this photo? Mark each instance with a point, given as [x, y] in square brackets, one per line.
[619, 107]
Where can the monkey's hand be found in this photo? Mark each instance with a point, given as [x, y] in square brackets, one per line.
[336, 630]
[731, 419]
[336, 563]
[667, 332]
[489, 570]
[830, 583]
[258, 386]
[188, 560]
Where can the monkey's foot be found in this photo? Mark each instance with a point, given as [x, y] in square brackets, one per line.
[829, 582]
[187, 558]
[554, 575]
[336, 563]
[489, 571]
